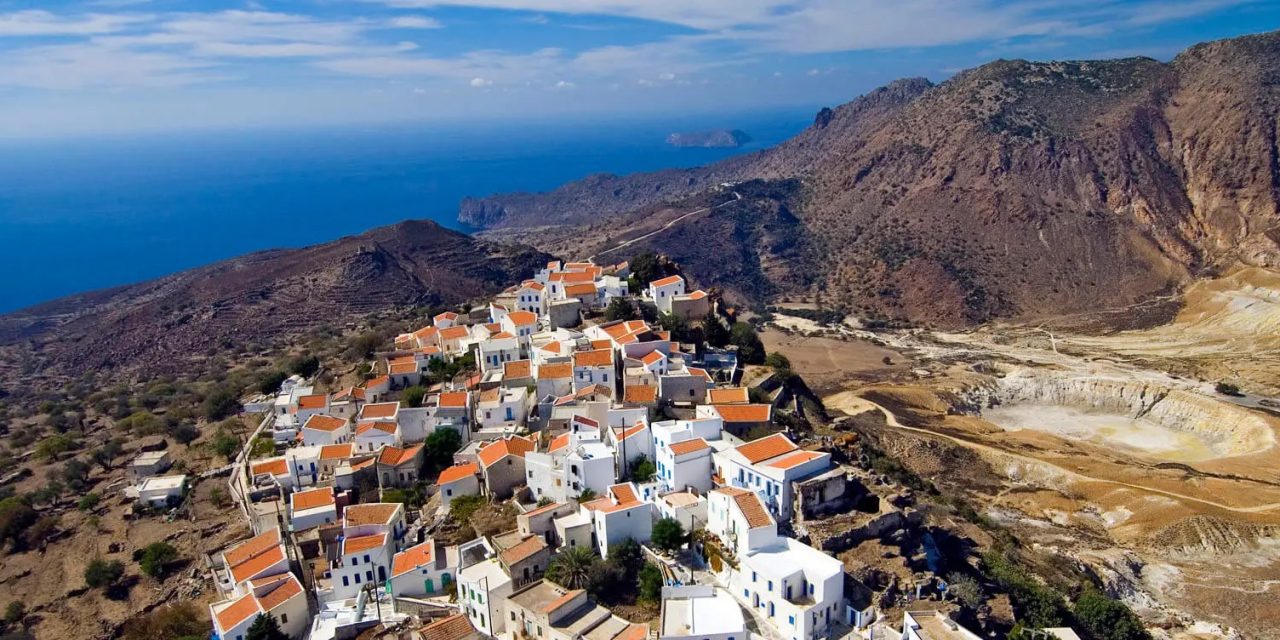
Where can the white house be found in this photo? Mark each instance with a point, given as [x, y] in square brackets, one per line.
[280, 596]
[593, 367]
[530, 296]
[769, 466]
[445, 320]
[258, 557]
[322, 429]
[483, 587]
[458, 480]
[501, 410]
[554, 379]
[620, 515]
[421, 570]
[162, 491]
[497, 349]
[685, 465]
[372, 436]
[700, 612]
[663, 291]
[521, 324]
[312, 508]
[795, 588]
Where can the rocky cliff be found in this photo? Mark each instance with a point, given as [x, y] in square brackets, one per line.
[1016, 189]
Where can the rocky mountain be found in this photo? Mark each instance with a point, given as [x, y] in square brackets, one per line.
[1016, 189]
[260, 298]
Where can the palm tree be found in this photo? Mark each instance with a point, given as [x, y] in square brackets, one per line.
[572, 568]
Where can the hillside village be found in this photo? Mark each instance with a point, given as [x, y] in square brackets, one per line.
[592, 442]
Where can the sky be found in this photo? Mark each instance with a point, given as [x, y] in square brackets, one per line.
[88, 67]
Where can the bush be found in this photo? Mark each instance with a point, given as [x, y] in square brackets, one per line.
[714, 331]
[16, 516]
[156, 558]
[463, 507]
[965, 590]
[271, 381]
[54, 446]
[777, 361]
[364, 345]
[1227, 388]
[141, 423]
[305, 365]
[103, 574]
[14, 612]
[650, 584]
[225, 444]
[412, 396]
[263, 446]
[185, 433]
[750, 348]
[265, 627]
[89, 502]
[1107, 619]
[642, 469]
[620, 309]
[667, 534]
[438, 451]
[178, 621]
[219, 404]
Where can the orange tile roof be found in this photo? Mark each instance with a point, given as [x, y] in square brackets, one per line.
[551, 347]
[454, 333]
[521, 318]
[277, 467]
[624, 327]
[559, 442]
[744, 412]
[601, 344]
[257, 564]
[526, 549]
[795, 459]
[288, 589]
[531, 284]
[396, 456]
[313, 401]
[350, 393]
[517, 369]
[573, 277]
[653, 357]
[385, 427]
[700, 372]
[455, 627]
[303, 500]
[457, 472]
[562, 601]
[379, 410]
[623, 434]
[669, 280]
[321, 422]
[492, 327]
[555, 371]
[402, 367]
[634, 632]
[238, 612]
[596, 358]
[426, 333]
[413, 558]
[697, 295]
[370, 513]
[752, 509]
[689, 446]
[454, 399]
[594, 389]
[766, 447]
[337, 451]
[501, 335]
[640, 394]
[514, 445]
[728, 395]
[363, 543]
[378, 381]
[541, 510]
[623, 493]
[575, 290]
[252, 547]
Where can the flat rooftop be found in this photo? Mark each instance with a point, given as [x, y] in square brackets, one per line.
[162, 483]
[701, 615]
[936, 626]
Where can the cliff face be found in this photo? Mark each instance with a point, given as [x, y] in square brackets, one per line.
[258, 299]
[1016, 189]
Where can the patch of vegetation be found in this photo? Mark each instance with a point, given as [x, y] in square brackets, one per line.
[668, 535]
[1227, 388]
[156, 558]
[412, 396]
[642, 469]
[462, 508]
[103, 574]
[181, 620]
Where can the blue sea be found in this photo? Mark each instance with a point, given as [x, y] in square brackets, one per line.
[77, 215]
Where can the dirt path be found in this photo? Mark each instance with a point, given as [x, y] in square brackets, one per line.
[627, 243]
[892, 421]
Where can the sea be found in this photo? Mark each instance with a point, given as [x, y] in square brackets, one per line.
[90, 213]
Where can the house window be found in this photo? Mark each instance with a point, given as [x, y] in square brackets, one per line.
[284, 618]
[345, 582]
[368, 575]
[770, 589]
[366, 558]
[791, 619]
[357, 577]
[355, 561]
[753, 576]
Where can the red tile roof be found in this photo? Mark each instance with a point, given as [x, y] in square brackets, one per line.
[523, 551]
[454, 399]
[640, 394]
[370, 513]
[545, 509]
[413, 558]
[379, 410]
[454, 333]
[321, 422]
[766, 447]
[669, 280]
[277, 467]
[559, 442]
[521, 318]
[624, 493]
[555, 371]
[596, 358]
[728, 395]
[337, 451]
[689, 446]
[396, 456]
[744, 412]
[314, 401]
[238, 612]
[257, 564]
[363, 543]
[653, 357]
[514, 445]
[575, 290]
[623, 434]
[288, 589]
[562, 601]
[517, 369]
[455, 627]
[311, 499]
[795, 459]
[252, 547]
[457, 472]
[385, 427]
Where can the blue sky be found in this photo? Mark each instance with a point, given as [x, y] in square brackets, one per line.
[110, 66]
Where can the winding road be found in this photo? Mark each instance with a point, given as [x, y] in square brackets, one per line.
[736, 197]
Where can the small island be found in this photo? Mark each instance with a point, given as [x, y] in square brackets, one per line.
[711, 139]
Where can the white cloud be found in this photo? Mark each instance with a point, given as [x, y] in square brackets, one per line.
[80, 66]
[481, 82]
[36, 22]
[565, 84]
[666, 76]
[415, 22]
[812, 72]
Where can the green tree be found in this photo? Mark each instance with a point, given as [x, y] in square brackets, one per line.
[75, 474]
[965, 590]
[225, 444]
[679, 328]
[270, 382]
[265, 627]
[305, 365]
[89, 502]
[16, 516]
[412, 396]
[107, 453]
[54, 446]
[572, 568]
[185, 433]
[628, 557]
[1105, 618]
[364, 345]
[14, 612]
[667, 534]
[650, 583]
[587, 495]
[777, 361]
[750, 348]
[220, 403]
[620, 309]
[714, 331]
[103, 574]
[642, 469]
[438, 451]
[141, 423]
[263, 446]
[156, 558]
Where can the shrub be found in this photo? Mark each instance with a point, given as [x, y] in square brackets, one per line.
[225, 444]
[642, 469]
[265, 627]
[103, 574]
[650, 584]
[156, 558]
[750, 348]
[263, 446]
[714, 331]
[1107, 619]
[89, 502]
[54, 446]
[271, 381]
[16, 516]
[1227, 388]
[412, 396]
[185, 433]
[463, 507]
[965, 590]
[141, 423]
[220, 403]
[178, 621]
[777, 361]
[620, 309]
[14, 612]
[305, 365]
[438, 451]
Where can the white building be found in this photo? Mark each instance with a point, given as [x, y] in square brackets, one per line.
[483, 587]
[769, 466]
[662, 291]
[620, 515]
[700, 612]
[592, 368]
[458, 480]
[422, 570]
[280, 596]
[312, 508]
[321, 429]
[162, 491]
[502, 410]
